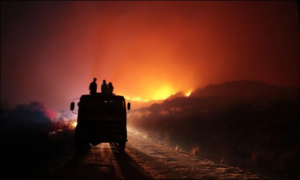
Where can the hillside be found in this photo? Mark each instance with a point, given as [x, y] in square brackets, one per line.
[250, 123]
[251, 89]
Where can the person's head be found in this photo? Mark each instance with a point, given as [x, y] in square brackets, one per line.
[104, 82]
[95, 79]
[109, 83]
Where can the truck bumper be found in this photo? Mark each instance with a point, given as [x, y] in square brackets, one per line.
[96, 138]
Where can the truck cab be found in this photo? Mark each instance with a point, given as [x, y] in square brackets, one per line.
[101, 118]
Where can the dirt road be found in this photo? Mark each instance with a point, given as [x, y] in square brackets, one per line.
[143, 160]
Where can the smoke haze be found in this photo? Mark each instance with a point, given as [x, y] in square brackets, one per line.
[51, 51]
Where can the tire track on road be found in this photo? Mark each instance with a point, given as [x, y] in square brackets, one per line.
[130, 168]
[104, 161]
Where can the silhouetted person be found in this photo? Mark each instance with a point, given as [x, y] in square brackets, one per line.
[104, 87]
[93, 87]
[110, 88]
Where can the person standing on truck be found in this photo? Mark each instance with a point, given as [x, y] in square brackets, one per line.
[93, 87]
[110, 88]
[104, 87]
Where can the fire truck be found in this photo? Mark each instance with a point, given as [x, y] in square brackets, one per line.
[101, 118]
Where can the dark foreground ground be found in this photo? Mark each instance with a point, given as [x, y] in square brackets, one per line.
[142, 159]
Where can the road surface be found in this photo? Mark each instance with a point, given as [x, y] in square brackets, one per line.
[143, 159]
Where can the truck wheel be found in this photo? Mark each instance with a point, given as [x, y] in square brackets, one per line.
[82, 146]
[122, 146]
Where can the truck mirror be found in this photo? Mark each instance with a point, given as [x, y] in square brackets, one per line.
[72, 106]
[128, 106]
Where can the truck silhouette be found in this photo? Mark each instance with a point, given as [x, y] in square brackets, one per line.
[101, 118]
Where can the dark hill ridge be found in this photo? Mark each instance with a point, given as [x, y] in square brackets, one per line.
[222, 95]
[250, 89]
[227, 94]
[176, 95]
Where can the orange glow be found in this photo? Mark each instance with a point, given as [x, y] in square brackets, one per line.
[188, 93]
[157, 94]
[148, 53]
[163, 93]
[133, 99]
[74, 124]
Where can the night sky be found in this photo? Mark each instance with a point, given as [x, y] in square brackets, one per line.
[51, 51]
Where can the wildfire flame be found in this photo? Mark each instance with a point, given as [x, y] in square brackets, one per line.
[74, 124]
[195, 150]
[188, 93]
[161, 94]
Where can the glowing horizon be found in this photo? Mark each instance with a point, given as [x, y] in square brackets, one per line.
[165, 96]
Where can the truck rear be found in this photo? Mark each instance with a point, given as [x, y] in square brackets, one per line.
[101, 118]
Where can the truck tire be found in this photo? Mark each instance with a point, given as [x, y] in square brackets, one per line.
[122, 146]
[82, 146]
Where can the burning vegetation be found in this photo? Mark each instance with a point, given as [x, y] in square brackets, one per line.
[258, 132]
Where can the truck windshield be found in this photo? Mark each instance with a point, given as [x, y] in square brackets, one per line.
[102, 107]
